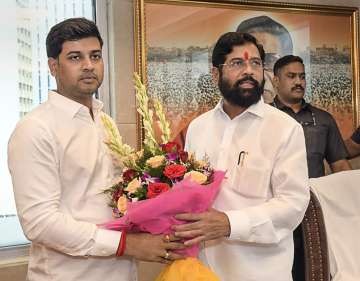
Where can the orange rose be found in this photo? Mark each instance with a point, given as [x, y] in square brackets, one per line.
[133, 186]
[122, 204]
[156, 161]
[196, 176]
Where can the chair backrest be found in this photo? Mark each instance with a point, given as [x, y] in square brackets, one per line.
[315, 243]
[339, 197]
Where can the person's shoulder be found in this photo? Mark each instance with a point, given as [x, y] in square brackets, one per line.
[280, 127]
[355, 137]
[201, 119]
[320, 111]
[35, 122]
[323, 117]
[276, 115]
[357, 131]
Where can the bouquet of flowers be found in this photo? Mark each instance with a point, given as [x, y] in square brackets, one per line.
[157, 183]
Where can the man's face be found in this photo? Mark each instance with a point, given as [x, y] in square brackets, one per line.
[79, 69]
[241, 78]
[290, 83]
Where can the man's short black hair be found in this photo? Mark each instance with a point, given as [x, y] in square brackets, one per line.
[268, 25]
[228, 41]
[70, 30]
[281, 62]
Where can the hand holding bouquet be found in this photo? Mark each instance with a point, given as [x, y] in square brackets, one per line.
[157, 183]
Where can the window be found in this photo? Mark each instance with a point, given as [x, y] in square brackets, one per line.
[25, 81]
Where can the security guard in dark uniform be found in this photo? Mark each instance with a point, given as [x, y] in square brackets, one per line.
[322, 136]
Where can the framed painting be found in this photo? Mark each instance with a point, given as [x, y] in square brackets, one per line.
[174, 41]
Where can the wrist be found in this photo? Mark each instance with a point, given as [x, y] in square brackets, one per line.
[227, 226]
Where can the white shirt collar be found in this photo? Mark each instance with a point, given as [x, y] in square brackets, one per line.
[72, 107]
[256, 109]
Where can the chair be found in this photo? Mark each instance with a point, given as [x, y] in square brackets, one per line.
[339, 197]
[315, 243]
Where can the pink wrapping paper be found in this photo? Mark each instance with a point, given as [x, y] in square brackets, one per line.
[157, 215]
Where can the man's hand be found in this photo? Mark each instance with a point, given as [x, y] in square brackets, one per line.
[205, 226]
[154, 248]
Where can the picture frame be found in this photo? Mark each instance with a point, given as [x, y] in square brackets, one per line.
[174, 41]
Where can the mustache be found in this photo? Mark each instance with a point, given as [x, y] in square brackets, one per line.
[88, 75]
[298, 87]
[236, 95]
[247, 78]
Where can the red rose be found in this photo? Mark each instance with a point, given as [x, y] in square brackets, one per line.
[128, 175]
[154, 189]
[170, 147]
[174, 171]
[184, 156]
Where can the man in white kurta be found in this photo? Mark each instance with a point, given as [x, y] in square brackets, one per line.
[60, 165]
[248, 234]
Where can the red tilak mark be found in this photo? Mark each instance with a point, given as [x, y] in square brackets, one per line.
[246, 55]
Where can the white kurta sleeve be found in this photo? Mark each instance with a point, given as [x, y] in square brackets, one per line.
[34, 167]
